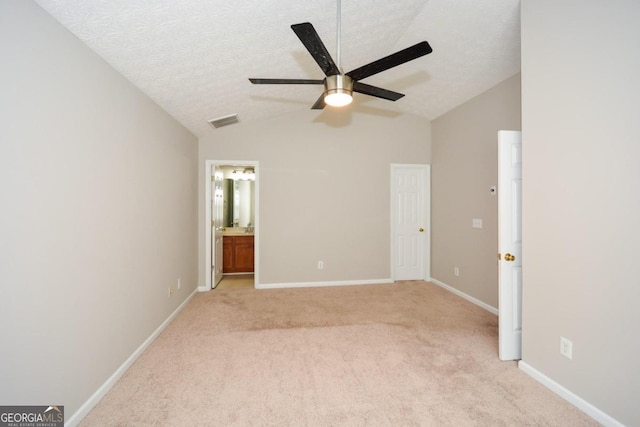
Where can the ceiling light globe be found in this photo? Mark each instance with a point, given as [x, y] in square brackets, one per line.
[338, 99]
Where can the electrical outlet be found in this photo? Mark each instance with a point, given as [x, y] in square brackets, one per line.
[320, 265]
[566, 348]
[456, 271]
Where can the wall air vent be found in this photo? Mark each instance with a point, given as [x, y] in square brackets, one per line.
[224, 121]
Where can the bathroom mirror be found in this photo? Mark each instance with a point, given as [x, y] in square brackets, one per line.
[238, 203]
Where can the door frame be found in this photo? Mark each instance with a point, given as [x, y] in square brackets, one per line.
[208, 216]
[426, 217]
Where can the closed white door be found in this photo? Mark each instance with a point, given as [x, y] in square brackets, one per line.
[410, 221]
[510, 244]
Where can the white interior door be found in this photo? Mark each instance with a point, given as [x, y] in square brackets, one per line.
[216, 227]
[510, 244]
[410, 221]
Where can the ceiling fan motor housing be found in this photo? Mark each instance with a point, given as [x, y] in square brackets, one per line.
[338, 87]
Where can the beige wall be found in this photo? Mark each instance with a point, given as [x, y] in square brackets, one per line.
[581, 200]
[465, 166]
[98, 214]
[324, 185]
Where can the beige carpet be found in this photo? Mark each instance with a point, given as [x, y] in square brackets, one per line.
[409, 354]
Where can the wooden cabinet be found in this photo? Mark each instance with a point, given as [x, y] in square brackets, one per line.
[237, 254]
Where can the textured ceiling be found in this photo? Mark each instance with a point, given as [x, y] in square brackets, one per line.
[193, 57]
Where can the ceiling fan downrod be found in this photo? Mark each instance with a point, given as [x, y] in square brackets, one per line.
[338, 37]
[338, 89]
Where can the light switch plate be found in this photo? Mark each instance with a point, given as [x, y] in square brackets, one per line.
[476, 223]
[566, 348]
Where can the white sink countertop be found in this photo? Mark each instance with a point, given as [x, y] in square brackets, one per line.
[236, 231]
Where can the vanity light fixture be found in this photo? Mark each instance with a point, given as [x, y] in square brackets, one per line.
[246, 174]
[250, 174]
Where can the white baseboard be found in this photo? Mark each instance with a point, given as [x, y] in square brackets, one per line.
[469, 298]
[321, 284]
[570, 397]
[75, 419]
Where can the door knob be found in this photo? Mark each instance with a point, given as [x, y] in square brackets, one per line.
[509, 257]
[421, 229]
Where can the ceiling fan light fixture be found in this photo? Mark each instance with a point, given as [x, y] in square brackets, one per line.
[338, 90]
[338, 86]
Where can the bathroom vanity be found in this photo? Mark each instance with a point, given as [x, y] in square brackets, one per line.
[237, 253]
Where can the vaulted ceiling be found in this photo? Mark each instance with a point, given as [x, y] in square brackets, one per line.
[194, 57]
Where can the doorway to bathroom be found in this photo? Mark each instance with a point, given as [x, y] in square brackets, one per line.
[232, 222]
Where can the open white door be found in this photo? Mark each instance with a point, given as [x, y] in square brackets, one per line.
[510, 244]
[214, 207]
[216, 226]
[410, 221]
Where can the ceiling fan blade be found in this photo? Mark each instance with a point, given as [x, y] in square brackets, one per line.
[391, 61]
[319, 105]
[285, 81]
[376, 91]
[311, 40]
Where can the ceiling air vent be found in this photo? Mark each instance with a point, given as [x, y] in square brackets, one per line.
[224, 121]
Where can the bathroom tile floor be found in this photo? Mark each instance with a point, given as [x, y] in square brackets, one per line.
[237, 281]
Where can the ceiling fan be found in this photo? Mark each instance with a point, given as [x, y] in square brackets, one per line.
[339, 86]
